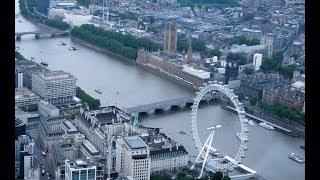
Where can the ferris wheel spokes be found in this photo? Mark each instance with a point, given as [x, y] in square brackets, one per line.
[206, 148]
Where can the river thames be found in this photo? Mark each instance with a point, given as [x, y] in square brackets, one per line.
[267, 150]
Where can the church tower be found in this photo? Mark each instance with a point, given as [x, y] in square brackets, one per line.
[189, 54]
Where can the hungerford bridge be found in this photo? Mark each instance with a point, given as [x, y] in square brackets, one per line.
[173, 104]
[37, 34]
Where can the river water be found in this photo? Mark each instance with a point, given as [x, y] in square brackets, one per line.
[267, 150]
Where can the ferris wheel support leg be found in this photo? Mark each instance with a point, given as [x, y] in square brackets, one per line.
[207, 153]
[200, 153]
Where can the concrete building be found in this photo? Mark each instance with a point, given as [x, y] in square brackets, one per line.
[24, 97]
[20, 128]
[19, 77]
[133, 158]
[80, 170]
[170, 37]
[56, 14]
[56, 87]
[257, 61]
[165, 153]
[25, 162]
[173, 66]
[46, 109]
[50, 132]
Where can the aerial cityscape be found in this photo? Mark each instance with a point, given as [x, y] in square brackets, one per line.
[159, 89]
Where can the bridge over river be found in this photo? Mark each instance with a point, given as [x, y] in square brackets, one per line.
[173, 104]
[39, 34]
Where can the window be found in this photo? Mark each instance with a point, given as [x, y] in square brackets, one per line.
[75, 175]
[91, 174]
[83, 175]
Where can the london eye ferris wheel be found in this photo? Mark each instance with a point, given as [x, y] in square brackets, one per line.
[206, 151]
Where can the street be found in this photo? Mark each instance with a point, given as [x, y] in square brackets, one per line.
[43, 162]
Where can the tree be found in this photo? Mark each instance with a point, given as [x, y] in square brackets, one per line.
[92, 103]
[85, 3]
[226, 178]
[248, 70]
[243, 40]
[215, 52]
[253, 101]
[240, 96]
[160, 176]
[217, 176]
[247, 16]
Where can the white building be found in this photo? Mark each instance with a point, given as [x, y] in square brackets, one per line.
[20, 80]
[196, 72]
[57, 87]
[46, 109]
[133, 158]
[24, 97]
[56, 14]
[79, 170]
[257, 61]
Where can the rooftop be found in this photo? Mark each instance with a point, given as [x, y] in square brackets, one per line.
[23, 92]
[89, 148]
[135, 142]
[55, 75]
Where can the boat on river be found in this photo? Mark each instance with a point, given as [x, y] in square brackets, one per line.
[296, 158]
[250, 122]
[44, 64]
[73, 48]
[266, 125]
[98, 91]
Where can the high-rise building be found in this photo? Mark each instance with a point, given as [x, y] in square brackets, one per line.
[257, 60]
[268, 41]
[170, 37]
[25, 161]
[56, 87]
[232, 67]
[80, 170]
[20, 80]
[133, 158]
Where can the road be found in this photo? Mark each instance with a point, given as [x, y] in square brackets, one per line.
[43, 161]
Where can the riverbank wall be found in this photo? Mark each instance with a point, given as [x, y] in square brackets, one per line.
[147, 68]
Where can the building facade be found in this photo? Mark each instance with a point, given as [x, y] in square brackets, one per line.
[56, 87]
[46, 109]
[80, 170]
[24, 97]
[133, 158]
[170, 37]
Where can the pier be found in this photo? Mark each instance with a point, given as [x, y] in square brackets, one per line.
[260, 120]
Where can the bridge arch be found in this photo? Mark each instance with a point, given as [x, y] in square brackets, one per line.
[174, 107]
[158, 110]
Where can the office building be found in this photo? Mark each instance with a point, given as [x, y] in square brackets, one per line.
[80, 170]
[19, 80]
[133, 158]
[24, 97]
[46, 109]
[170, 37]
[50, 132]
[56, 87]
[257, 61]
[25, 162]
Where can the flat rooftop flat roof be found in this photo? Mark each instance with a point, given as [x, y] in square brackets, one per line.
[135, 142]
